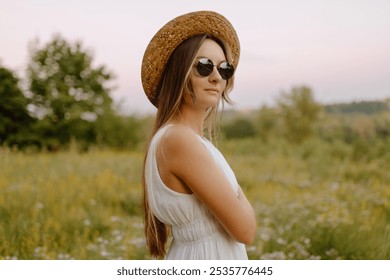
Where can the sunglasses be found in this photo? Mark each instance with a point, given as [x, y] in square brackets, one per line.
[205, 67]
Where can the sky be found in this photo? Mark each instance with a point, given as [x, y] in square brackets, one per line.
[339, 48]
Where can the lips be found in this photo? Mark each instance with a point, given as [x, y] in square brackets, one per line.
[213, 90]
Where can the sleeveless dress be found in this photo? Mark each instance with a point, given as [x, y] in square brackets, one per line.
[197, 235]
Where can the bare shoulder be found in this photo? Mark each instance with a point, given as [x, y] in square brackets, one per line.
[178, 139]
[183, 152]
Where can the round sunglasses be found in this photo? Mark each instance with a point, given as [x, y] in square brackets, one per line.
[205, 67]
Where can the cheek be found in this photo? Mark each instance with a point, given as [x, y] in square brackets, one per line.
[196, 85]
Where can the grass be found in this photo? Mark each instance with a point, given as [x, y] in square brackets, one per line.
[312, 201]
[70, 206]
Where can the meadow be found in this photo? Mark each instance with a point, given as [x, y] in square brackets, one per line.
[313, 200]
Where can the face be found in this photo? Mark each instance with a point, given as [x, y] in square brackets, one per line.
[208, 90]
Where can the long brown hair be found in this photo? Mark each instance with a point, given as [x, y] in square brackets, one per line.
[174, 84]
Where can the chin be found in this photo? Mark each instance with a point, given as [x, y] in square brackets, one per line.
[207, 101]
[213, 101]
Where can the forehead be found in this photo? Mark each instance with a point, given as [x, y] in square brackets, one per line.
[212, 50]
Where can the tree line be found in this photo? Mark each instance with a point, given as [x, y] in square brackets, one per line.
[65, 100]
[354, 131]
[297, 117]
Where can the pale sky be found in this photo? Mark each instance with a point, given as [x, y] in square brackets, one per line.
[340, 48]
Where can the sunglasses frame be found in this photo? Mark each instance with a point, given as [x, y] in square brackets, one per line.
[205, 66]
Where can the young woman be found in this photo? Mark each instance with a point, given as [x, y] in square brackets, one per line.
[189, 189]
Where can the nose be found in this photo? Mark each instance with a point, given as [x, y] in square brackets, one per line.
[215, 76]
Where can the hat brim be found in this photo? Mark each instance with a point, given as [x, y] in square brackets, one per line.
[172, 34]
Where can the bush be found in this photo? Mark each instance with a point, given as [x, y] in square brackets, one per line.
[239, 128]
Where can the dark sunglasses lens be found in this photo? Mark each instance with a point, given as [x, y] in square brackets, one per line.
[204, 67]
[226, 70]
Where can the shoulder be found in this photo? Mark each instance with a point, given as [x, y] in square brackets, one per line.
[179, 138]
[181, 148]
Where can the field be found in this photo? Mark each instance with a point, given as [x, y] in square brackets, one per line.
[312, 201]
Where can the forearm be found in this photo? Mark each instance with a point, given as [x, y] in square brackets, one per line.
[250, 217]
[244, 201]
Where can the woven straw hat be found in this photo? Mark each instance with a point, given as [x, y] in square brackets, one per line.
[172, 34]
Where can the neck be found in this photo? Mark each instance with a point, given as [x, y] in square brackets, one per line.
[193, 119]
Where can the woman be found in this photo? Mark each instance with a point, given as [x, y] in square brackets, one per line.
[189, 189]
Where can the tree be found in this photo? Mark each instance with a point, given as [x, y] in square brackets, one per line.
[119, 132]
[239, 128]
[267, 120]
[14, 117]
[67, 93]
[299, 112]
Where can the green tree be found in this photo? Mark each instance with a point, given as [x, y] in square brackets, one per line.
[14, 118]
[239, 128]
[119, 132]
[267, 121]
[67, 92]
[299, 112]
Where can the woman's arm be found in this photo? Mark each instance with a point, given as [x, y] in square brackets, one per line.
[188, 160]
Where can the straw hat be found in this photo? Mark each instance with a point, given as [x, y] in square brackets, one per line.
[172, 34]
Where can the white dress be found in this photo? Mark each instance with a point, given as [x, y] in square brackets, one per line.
[197, 235]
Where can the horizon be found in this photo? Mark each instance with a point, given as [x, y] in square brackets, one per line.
[338, 49]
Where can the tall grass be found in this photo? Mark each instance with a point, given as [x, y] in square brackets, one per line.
[312, 201]
[70, 206]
